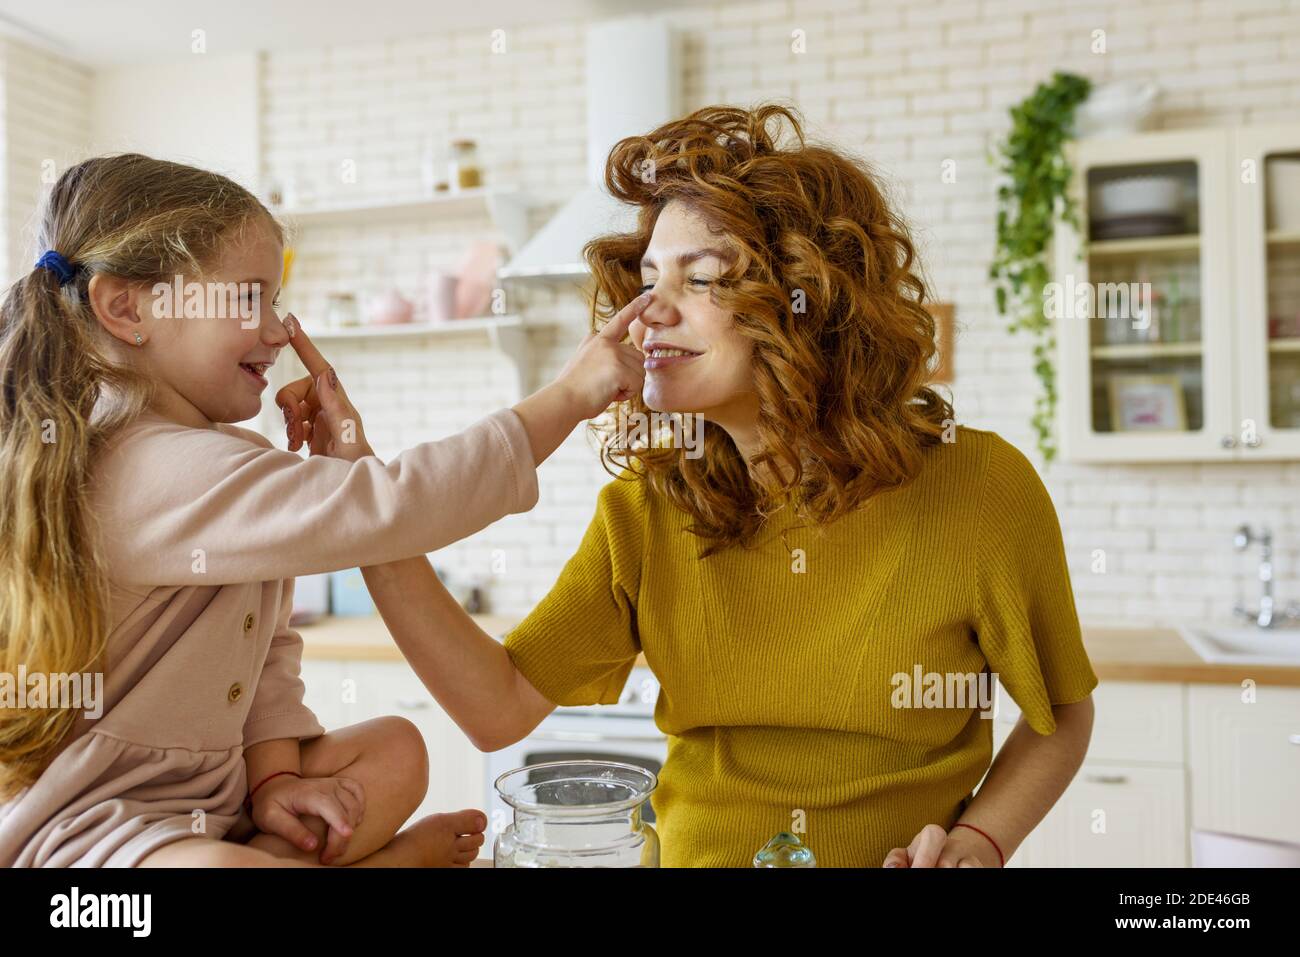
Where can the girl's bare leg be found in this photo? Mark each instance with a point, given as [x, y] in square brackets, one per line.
[439, 840]
[387, 756]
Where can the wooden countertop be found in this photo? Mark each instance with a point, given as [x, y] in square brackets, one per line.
[1117, 654]
[1161, 654]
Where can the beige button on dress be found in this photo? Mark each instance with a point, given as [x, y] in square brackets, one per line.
[203, 532]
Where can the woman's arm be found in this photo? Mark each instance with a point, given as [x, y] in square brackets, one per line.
[465, 669]
[1027, 776]
[499, 706]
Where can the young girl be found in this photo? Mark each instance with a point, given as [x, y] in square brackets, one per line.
[146, 538]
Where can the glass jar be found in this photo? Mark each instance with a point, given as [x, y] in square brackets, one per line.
[577, 814]
[463, 170]
[341, 310]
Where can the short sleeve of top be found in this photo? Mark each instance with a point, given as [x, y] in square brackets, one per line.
[1026, 622]
[579, 644]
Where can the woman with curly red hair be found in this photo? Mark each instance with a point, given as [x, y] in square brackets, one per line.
[816, 591]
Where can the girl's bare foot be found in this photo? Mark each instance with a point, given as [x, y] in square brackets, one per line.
[442, 840]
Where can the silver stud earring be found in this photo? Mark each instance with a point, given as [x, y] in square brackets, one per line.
[138, 341]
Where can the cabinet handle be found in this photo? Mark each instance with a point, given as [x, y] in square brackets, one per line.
[1228, 442]
[1294, 738]
[412, 704]
[1108, 778]
[1254, 442]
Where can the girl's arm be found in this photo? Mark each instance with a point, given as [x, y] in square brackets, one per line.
[465, 669]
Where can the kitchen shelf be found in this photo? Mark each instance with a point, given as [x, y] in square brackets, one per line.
[1284, 345]
[1145, 244]
[1146, 350]
[504, 205]
[451, 327]
[1283, 237]
[507, 335]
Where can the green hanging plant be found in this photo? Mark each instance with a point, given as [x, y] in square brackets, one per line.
[1033, 159]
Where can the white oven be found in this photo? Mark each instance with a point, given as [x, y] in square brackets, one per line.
[623, 732]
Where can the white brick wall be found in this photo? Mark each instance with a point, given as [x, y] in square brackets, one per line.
[46, 114]
[906, 83]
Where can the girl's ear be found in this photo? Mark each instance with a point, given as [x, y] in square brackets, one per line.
[114, 301]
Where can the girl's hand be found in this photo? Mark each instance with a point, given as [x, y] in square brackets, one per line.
[316, 409]
[605, 369]
[280, 802]
[935, 847]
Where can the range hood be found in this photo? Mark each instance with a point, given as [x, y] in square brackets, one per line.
[633, 84]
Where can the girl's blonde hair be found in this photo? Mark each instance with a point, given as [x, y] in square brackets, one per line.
[62, 396]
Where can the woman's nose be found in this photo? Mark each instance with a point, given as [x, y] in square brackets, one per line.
[661, 311]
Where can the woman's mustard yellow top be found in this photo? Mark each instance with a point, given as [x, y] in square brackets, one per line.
[780, 664]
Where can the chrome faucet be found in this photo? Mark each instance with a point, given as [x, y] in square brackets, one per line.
[1266, 616]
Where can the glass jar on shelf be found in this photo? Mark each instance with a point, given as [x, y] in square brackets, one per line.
[341, 310]
[463, 171]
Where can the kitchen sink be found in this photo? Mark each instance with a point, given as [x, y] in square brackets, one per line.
[1249, 645]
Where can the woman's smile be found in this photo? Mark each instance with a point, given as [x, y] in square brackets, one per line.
[659, 357]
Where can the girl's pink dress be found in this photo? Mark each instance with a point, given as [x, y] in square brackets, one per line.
[203, 532]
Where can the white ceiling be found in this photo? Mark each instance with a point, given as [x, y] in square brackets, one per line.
[100, 33]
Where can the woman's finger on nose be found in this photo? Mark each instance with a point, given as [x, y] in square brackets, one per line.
[302, 344]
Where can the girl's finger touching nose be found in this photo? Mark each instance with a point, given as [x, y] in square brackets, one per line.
[617, 327]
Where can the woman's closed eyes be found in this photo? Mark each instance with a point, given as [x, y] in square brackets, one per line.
[698, 283]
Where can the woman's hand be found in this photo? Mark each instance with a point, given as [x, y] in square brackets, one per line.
[279, 804]
[316, 409]
[935, 847]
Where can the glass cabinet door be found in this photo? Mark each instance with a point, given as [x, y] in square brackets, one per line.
[1267, 203]
[1145, 342]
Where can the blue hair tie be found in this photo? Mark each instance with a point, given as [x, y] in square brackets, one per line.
[58, 264]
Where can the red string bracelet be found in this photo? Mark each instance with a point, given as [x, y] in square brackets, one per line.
[248, 801]
[1002, 861]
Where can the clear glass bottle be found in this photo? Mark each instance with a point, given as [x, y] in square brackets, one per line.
[785, 850]
[577, 814]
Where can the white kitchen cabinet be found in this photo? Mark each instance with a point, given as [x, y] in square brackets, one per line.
[1126, 807]
[1212, 371]
[1267, 281]
[1114, 815]
[1245, 761]
[324, 695]
[346, 692]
